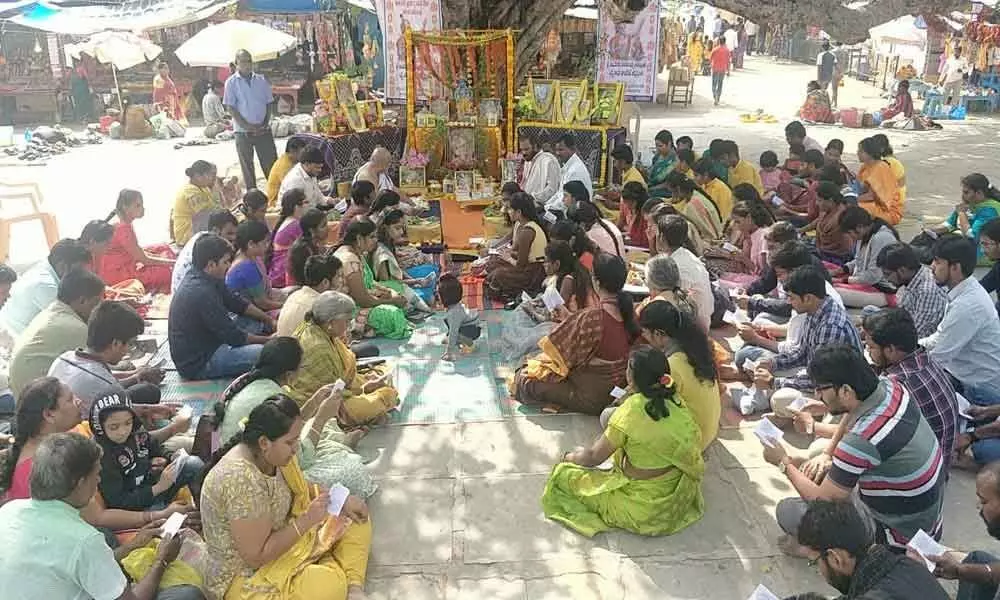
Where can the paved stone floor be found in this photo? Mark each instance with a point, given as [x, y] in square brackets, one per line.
[458, 514]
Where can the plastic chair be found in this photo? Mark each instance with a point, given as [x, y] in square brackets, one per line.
[24, 191]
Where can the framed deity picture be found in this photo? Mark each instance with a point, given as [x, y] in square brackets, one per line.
[508, 170]
[462, 144]
[489, 112]
[345, 92]
[545, 94]
[608, 99]
[412, 179]
[465, 182]
[570, 97]
[355, 119]
[441, 109]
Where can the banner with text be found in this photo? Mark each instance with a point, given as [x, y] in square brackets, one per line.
[394, 16]
[629, 53]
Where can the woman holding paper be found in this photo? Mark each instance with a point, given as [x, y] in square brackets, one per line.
[654, 485]
[583, 358]
[326, 454]
[271, 535]
[327, 357]
[522, 269]
[692, 363]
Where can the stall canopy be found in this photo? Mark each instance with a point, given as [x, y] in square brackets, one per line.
[128, 15]
[122, 49]
[216, 45]
[904, 30]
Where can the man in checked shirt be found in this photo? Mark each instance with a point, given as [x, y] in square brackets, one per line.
[919, 294]
[891, 339]
[827, 323]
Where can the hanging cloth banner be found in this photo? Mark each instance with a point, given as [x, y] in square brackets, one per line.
[394, 16]
[629, 52]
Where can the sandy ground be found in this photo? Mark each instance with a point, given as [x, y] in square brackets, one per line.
[458, 513]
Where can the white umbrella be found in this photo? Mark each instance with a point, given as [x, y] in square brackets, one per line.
[120, 49]
[216, 45]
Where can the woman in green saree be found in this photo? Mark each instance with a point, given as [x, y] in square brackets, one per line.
[664, 162]
[326, 454]
[391, 231]
[380, 305]
[654, 485]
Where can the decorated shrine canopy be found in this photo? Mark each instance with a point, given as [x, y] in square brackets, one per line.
[465, 80]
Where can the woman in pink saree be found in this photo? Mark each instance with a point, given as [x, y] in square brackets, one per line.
[165, 94]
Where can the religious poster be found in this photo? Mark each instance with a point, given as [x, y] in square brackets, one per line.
[394, 17]
[628, 52]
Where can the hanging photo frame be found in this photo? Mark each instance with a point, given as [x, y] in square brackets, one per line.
[464, 184]
[545, 94]
[508, 170]
[441, 109]
[608, 101]
[489, 112]
[355, 119]
[345, 92]
[462, 144]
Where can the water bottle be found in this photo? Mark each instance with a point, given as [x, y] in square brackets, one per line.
[27, 136]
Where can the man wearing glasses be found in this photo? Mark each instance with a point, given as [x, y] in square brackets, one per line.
[837, 542]
[885, 449]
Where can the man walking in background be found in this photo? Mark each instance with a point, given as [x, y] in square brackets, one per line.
[826, 66]
[720, 59]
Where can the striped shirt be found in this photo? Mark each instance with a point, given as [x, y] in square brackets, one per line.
[925, 300]
[894, 458]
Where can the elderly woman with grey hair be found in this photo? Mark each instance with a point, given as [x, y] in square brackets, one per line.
[52, 551]
[663, 279]
[327, 357]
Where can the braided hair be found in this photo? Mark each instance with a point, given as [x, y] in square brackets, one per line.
[278, 357]
[272, 418]
[648, 367]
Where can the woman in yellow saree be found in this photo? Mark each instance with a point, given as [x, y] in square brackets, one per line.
[326, 358]
[695, 52]
[269, 536]
[880, 195]
[654, 485]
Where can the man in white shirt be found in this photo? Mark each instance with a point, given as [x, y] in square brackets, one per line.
[732, 38]
[214, 113]
[541, 176]
[374, 171]
[303, 177]
[795, 133]
[952, 76]
[751, 30]
[573, 169]
[671, 238]
[967, 341]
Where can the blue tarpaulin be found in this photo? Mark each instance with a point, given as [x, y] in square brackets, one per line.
[283, 6]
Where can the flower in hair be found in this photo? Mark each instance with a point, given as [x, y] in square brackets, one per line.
[243, 423]
[667, 381]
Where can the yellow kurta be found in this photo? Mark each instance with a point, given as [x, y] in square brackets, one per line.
[633, 175]
[280, 168]
[722, 195]
[192, 207]
[900, 173]
[744, 172]
[701, 397]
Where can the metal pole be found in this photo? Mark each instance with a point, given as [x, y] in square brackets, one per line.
[118, 91]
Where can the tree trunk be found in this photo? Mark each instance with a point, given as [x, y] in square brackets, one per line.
[530, 19]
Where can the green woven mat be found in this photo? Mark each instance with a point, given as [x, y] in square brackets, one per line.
[473, 388]
[201, 396]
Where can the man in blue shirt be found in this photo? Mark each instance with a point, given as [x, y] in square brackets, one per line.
[39, 287]
[205, 342]
[248, 99]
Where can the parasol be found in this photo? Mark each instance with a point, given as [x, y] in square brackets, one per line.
[120, 49]
[216, 45]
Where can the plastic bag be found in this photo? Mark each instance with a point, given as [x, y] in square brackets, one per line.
[188, 569]
[958, 113]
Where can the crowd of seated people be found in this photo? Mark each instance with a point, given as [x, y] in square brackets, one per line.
[283, 309]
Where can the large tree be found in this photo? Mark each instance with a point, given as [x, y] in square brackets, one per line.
[534, 18]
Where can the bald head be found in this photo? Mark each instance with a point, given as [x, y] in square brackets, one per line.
[244, 63]
[381, 158]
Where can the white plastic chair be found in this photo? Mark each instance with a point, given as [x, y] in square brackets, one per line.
[12, 197]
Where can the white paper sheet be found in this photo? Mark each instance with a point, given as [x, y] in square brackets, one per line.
[963, 406]
[180, 457]
[617, 392]
[552, 298]
[173, 525]
[339, 386]
[338, 496]
[768, 432]
[525, 297]
[728, 247]
[925, 546]
[475, 241]
[185, 412]
[749, 365]
[799, 404]
[550, 217]
[341, 206]
[735, 318]
[762, 593]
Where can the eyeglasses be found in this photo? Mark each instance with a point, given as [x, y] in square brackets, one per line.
[815, 561]
[822, 388]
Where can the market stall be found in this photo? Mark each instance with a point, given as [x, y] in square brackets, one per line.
[460, 120]
[30, 71]
[550, 109]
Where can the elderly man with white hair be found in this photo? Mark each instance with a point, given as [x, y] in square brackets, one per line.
[376, 172]
[50, 551]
